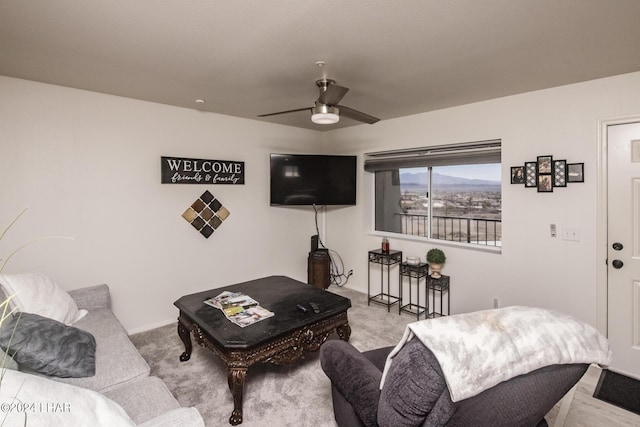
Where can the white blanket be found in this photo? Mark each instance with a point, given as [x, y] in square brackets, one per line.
[481, 349]
[30, 400]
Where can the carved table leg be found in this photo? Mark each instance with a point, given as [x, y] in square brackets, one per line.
[344, 332]
[185, 336]
[236, 378]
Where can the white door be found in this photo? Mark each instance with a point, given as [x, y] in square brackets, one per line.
[623, 252]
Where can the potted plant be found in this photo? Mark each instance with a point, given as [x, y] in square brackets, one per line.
[435, 258]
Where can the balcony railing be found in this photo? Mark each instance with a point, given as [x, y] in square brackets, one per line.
[479, 231]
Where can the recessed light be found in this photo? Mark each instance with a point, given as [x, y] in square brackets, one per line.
[200, 101]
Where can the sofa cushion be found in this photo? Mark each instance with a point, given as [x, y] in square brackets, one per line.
[48, 347]
[49, 403]
[117, 360]
[39, 294]
[144, 399]
[179, 417]
[7, 362]
[102, 324]
[92, 297]
[412, 387]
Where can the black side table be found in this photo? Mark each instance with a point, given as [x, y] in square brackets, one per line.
[441, 285]
[385, 259]
[415, 271]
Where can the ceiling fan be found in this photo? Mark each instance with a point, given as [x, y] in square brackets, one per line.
[326, 110]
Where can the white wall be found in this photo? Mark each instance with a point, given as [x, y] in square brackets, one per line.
[87, 165]
[533, 268]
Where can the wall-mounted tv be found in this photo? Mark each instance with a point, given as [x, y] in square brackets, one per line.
[308, 179]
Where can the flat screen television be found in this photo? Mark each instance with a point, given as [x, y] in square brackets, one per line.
[309, 179]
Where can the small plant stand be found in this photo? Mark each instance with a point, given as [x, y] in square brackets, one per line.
[414, 271]
[384, 259]
[440, 285]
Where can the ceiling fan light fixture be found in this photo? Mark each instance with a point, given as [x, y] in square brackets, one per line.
[325, 115]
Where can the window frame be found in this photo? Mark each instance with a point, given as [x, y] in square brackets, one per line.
[442, 155]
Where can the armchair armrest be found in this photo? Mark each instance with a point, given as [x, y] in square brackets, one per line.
[92, 297]
[354, 376]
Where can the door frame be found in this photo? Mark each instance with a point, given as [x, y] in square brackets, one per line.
[602, 285]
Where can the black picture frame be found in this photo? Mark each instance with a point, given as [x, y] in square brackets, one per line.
[545, 165]
[517, 174]
[531, 174]
[545, 183]
[559, 173]
[575, 172]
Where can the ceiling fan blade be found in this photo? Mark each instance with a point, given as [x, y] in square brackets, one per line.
[357, 115]
[332, 94]
[286, 112]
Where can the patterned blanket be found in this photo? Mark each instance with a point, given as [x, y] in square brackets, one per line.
[481, 349]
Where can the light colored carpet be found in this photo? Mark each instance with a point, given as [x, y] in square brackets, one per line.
[296, 395]
[300, 395]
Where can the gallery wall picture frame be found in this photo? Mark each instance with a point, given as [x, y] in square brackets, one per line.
[545, 183]
[517, 174]
[531, 174]
[545, 164]
[575, 172]
[545, 174]
[559, 173]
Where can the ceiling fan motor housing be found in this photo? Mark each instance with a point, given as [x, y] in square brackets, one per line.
[323, 84]
[326, 109]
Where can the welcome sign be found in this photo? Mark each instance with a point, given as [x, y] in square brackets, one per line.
[180, 170]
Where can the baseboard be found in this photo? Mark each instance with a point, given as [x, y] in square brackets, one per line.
[146, 328]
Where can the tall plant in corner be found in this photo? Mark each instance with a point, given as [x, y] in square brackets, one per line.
[4, 261]
[5, 305]
[6, 311]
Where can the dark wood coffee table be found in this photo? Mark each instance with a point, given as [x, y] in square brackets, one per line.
[281, 339]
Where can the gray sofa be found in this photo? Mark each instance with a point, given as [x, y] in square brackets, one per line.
[121, 374]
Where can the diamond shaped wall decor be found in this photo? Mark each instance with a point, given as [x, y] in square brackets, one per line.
[206, 214]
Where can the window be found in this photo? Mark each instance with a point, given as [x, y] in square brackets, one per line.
[450, 193]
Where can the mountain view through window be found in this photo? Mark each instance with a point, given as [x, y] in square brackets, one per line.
[460, 203]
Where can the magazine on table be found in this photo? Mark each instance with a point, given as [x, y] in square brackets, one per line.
[218, 300]
[241, 309]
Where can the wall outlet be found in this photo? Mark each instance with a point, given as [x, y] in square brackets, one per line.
[496, 303]
[554, 230]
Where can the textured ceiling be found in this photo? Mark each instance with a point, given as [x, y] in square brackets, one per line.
[249, 57]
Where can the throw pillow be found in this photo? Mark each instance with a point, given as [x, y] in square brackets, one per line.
[48, 347]
[412, 387]
[38, 294]
[43, 402]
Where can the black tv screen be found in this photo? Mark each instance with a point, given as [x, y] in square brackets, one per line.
[307, 179]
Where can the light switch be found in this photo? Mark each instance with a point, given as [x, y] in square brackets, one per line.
[571, 234]
[554, 230]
